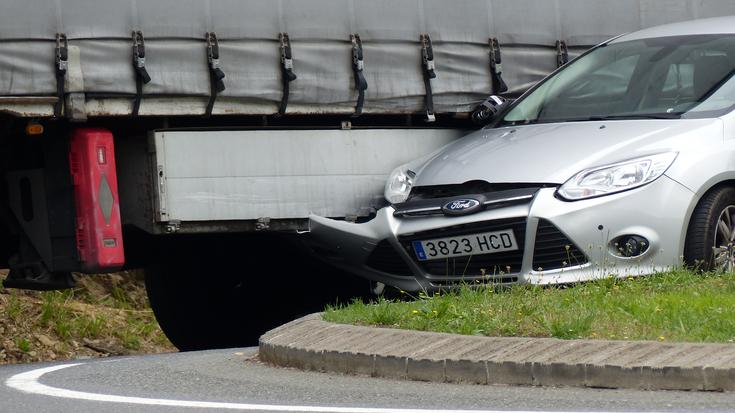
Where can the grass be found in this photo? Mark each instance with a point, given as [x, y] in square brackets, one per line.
[106, 314]
[679, 306]
[23, 344]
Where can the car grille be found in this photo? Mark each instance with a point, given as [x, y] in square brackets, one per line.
[553, 250]
[471, 187]
[492, 200]
[385, 258]
[492, 266]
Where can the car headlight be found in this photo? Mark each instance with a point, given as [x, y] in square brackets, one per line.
[610, 179]
[399, 184]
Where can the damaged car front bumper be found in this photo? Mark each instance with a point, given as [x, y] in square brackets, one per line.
[557, 241]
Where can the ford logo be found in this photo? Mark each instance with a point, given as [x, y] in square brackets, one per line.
[461, 206]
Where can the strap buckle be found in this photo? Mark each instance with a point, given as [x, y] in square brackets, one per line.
[427, 55]
[358, 65]
[139, 57]
[138, 49]
[427, 61]
[216, 75]
[496, 58]
[562, 53]
[141, 74]
[62, 65]
[62, 52]
[286, 56]
[357, 55]
[287, 73]
[496, 67]
[212, 51]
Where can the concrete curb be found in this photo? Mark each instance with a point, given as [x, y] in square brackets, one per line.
[312, 344]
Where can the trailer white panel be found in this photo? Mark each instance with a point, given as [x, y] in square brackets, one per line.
[281, 174]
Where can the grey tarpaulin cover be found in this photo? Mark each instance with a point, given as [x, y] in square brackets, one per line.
[100, 59]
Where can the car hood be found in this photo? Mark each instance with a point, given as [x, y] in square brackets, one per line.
[553, 153]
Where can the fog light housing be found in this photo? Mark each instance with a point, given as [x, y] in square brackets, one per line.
[629, 246]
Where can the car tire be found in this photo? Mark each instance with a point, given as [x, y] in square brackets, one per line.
[711, 232]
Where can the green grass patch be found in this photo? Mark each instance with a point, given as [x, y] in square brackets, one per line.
[23, 345]
[104, 315]
[674, 306]
[77, 316]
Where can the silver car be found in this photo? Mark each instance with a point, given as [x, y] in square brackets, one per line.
[620, 163]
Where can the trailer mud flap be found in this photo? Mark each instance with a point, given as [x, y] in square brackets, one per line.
[98, 227]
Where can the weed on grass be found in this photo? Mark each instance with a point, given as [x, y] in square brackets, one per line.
[23, 345]
[679, 305]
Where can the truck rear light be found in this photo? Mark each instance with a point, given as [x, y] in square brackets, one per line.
[98, 226]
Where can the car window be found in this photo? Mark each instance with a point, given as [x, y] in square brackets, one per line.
[680, 79]
[686, 76]
[593, 91]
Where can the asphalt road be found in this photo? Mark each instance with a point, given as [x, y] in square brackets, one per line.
[230, 380]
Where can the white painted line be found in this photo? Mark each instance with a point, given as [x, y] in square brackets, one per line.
[28, 382]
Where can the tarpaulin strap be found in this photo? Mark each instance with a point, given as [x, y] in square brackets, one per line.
[216, 75]
[141, 74]
[62, 64]
[427, 62]
[287, 74]
[357, 67]
[496, 67]
[562, 53]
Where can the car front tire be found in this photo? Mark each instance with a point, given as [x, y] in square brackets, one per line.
[710, 238]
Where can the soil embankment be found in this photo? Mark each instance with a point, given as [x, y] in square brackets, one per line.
[105, 315]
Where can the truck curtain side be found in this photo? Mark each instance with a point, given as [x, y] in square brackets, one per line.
[122, 57]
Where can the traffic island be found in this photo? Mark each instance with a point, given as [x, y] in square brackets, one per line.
[312, 344]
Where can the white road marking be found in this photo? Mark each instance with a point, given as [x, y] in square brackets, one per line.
[28, 382]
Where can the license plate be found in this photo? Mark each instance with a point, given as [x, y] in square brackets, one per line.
[464, 245]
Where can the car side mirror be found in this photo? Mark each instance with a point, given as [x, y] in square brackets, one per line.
[489, 109]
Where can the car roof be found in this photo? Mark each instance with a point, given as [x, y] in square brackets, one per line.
[716, 25]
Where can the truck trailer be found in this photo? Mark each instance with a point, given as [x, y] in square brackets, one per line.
[193, 138]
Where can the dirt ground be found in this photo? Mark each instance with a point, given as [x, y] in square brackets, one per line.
[105, 315]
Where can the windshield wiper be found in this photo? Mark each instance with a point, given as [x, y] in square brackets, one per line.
[631, 116]
[636, 116]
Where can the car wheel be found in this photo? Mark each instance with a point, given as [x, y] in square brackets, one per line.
[710, 237]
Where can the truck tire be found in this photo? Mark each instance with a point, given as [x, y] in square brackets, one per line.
[711, 233]
[201, 297]
[226, 291]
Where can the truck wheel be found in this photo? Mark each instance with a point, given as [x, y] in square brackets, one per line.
[195, 315]
[711, 233]
[203, 305]
[227, 290]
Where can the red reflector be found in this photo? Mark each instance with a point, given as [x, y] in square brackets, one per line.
[99, 231]
[101, 155]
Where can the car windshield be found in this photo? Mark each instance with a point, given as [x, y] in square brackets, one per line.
[661, 78]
